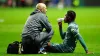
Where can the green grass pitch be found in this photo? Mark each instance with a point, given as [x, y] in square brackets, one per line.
[12, 21]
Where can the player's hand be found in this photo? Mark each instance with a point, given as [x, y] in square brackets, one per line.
[60, 19]
[60, 24]
[89, 52]
[49, 44]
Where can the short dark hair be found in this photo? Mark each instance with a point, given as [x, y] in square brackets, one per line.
[71, 14]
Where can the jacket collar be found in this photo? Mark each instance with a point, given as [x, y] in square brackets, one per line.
[35, 11]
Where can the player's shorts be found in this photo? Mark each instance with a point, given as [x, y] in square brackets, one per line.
[54, 48]
[59, 48]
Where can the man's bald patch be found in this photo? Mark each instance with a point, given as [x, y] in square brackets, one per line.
[40, 6]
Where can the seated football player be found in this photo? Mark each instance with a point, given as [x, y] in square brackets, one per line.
[69, 37]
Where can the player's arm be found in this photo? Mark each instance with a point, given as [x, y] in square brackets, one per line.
[62, 34]
[47, 25]
[79, 37]
[81, 40]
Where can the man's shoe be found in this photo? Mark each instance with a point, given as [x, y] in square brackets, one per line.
[42, 51]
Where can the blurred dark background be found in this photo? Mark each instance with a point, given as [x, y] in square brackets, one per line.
[49, 3]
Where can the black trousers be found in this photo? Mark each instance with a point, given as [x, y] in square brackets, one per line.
[32, 46]
[29, 47]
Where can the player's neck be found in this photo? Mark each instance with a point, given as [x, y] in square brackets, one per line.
[70, 22]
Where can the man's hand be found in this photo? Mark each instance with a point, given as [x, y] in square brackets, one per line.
[87, 52]
[60, 19]
[60, 24]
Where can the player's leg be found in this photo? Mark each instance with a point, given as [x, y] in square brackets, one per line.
[54, 48]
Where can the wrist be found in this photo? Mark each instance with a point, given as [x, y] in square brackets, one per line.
[86, 51]
[60, 26]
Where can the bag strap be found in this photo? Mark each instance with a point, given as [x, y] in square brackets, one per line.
[20, 48]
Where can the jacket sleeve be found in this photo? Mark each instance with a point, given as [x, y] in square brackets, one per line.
[62, 34]
[81, 40]
[46, 24]
[79, 37]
